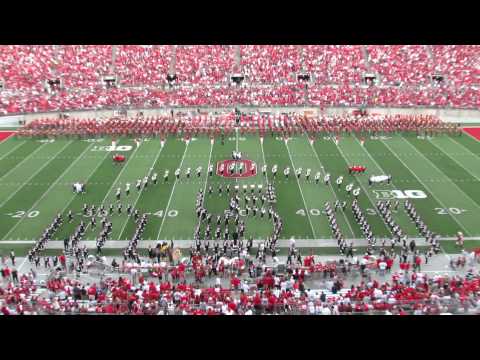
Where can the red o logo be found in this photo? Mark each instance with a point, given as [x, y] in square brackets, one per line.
[236, 168]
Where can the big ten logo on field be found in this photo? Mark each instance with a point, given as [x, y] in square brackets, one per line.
[110, 148]
[236, 168]
[399, 194]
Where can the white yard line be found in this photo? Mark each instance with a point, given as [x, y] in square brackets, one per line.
[236, 147]
[301, 192]
[114, 183]
[35, 173]
[442, 173]
[206, 172]
[365, 190]
[426, 187]
[378, 167]
[469, 152]
[86, 182]
[21, 162]
[264, 161]
[12, 150]
[331, 188]
[140, 192]
[468, 171]
[111, 187]
[171, 194]
[50, 188]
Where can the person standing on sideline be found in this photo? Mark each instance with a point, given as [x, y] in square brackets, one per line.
[12, 257]
[15, 276]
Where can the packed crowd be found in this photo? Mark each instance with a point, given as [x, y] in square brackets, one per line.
[168, 290]
[337, 72]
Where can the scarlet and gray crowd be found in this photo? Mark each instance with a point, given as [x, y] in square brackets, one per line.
[166, 290]
[191, 124]
[405, 76]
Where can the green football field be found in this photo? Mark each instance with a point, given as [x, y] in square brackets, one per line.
[36, 178]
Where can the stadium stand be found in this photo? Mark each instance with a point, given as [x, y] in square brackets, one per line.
[406, 76]
[165, 291]
[49, 78]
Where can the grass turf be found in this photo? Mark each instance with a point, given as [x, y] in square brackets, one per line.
[36, 178]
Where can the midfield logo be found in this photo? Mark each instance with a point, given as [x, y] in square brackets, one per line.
[236, 168]
[399, 194]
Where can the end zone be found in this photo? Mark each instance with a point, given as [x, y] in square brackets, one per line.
[6, 134]
[473, 131]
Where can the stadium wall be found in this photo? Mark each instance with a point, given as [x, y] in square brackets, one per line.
[11, 121]
[448, 115]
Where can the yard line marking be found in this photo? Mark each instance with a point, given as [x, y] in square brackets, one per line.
[116, 179]
[236, 132]
[206, 172]
[469, 152]
[331, 187]
[366, 192]
[426, 187]
[21, 162]
[171, 194]
[468, 171]
[443, 174]
[264, 161]
[74, 195]
[141, 191]
[33, 175]
[12, 150]
[301, 192]
[50, 188]
[111, 187]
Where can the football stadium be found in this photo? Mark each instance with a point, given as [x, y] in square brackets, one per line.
[240, 179]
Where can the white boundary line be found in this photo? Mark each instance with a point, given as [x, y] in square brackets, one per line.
[59, 244]
[443, 238]
[12, 150]
[443, 174]
[51, 187]
[21, 162]
[22, 264]
[300, 188]
[171, 194]
[426, 187]
[331, 187]
[162, 146]
[35, 173]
